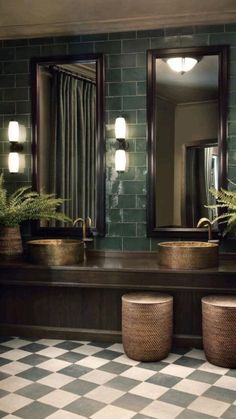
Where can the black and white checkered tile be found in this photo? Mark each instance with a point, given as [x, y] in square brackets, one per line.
[60, 379]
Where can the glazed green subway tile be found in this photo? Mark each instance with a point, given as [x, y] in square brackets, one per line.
[123, 35]
[122, 60]
[232, 157]
[7, 54]
[141, 59]
[232, 68]
[7, 80]
[122, 89]
[151, 33]
[15, 42]
[122, 229]
[81, 48]
[137, 131]
[42, 41]
[141, 230]
[117, 186]
[141, 116]
[232, 53]
[141, 88]
[129, 173]
[3, 161]
[193, 40]
[94, 37]
[129, 115]
[66, 39]
[140, 173]
[133, 187]
[114, 103]
[138, 244]
[137, 102]
[223, 38]
[166, 42]
[60, 49]
[108, 47]
[113, 75]
[23, 53]
[18, 93]
[16, 67]
[232, 128]
[7, 107]
[209, 28]
[154, 243]
[1, 121]
[232, 84]
[232, 99]
[108, 243]
[22, 119]
[126, 201]
[232, 114]
[22, 80]
[135, 215]
[188, 30]
[137, 159]
[115, 215]
[141, 201]
[23, 107]
[137, 45]
[141, 145]
[230, 27]
[134, 74]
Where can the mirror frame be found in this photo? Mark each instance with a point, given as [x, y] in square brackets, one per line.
[99, 228]
[223, 53]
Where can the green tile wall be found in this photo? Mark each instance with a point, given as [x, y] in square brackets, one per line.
[125, 55]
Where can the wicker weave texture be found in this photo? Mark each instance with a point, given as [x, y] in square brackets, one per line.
[219, 331]
[147, 326]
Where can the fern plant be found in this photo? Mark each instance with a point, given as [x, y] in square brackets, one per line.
[226, 200]
[25, 204]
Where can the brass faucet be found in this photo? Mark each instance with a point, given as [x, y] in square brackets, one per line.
[82, 222]
[86, 225]
[205, 222]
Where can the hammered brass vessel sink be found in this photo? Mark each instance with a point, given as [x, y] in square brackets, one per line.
[55, 251]
[188, 255]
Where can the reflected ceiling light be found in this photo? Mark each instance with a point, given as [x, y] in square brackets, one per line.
[13, 162]
[181, 64]
[120, 155]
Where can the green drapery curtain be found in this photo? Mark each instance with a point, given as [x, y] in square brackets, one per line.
[74, 144]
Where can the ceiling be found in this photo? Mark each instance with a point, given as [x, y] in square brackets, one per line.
[33, 18]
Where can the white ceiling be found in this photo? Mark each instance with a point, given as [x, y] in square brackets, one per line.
[32, 18]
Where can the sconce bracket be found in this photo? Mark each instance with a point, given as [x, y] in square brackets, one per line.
[122, 144]
[15, 147]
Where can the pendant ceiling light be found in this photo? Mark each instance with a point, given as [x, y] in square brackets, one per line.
[181, 64]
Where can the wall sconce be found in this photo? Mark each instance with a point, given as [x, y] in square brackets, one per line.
[181, 64]
[15, 147]
[120, 155]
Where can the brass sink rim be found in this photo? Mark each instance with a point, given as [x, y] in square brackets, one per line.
[188, 245]
[54, 242]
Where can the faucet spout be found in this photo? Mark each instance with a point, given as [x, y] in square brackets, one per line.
[82, 222]
[205, 222]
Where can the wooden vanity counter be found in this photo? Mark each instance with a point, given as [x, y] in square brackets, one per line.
[84, 301]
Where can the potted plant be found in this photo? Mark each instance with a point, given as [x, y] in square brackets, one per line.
[23, 205]
[226, 200]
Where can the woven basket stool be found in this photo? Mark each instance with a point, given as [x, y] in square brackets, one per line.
[219, 329]
[147, 324]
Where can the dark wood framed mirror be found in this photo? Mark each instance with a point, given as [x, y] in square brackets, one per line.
[68, 144]
[187, 124]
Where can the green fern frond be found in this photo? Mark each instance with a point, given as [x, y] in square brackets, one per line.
[226, 200]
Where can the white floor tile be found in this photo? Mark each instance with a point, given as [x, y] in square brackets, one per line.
[105, 394]
[14, 367]
[113, 412]
[226, 382]
[50, 342]
[15, 354]
[16, 343]
[177, 370]
[98, 376]
[123, 359]
[196, 353]
[62, 414]
[13, 402]
[213, 368]
[87, 350]
[151, 391]
[56, 380]
[117, 347]
[161, 410]
[54, 364]
[171, 358]
[52, 352]
[137, 373]
[13, 383]
[59, 398]
[92, 362]
[192, 387]
[209, 406]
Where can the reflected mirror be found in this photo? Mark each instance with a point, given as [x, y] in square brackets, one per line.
[187, 92]
[68, 143]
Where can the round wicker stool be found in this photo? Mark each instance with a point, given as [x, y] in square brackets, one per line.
[219, 329]
[147, 323]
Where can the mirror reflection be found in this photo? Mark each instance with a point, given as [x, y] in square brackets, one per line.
[187, 125]
[187, 92]
[68, 135]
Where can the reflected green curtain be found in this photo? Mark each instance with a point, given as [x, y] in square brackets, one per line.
[73, 144]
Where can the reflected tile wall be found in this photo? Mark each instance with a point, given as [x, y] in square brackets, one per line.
[125, 55]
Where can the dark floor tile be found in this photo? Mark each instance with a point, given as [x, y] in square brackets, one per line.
[222, 394]
[33, 347]
[114, 367]
[3, 375]
[204, 377]
[4, 361]
[132, 402]
[84, 407]
[100, 344]
[34, 359]
[75, 370]
[34, 391]
[35, 410]
[179, 398]
[69, 345]
[164, 380]
[34, 374]
[189, 362]
[154, 366]
[230, 413]
[190, 414]
[122, 383]
[106, 354]
[71, 357]
[79, 387]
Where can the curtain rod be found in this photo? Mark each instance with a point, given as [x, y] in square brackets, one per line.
[70, 73]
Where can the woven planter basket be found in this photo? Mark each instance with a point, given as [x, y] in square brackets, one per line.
[147, 324]
[219, 330]
[10, 242]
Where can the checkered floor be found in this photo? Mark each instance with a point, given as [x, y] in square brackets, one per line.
[60, 379]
